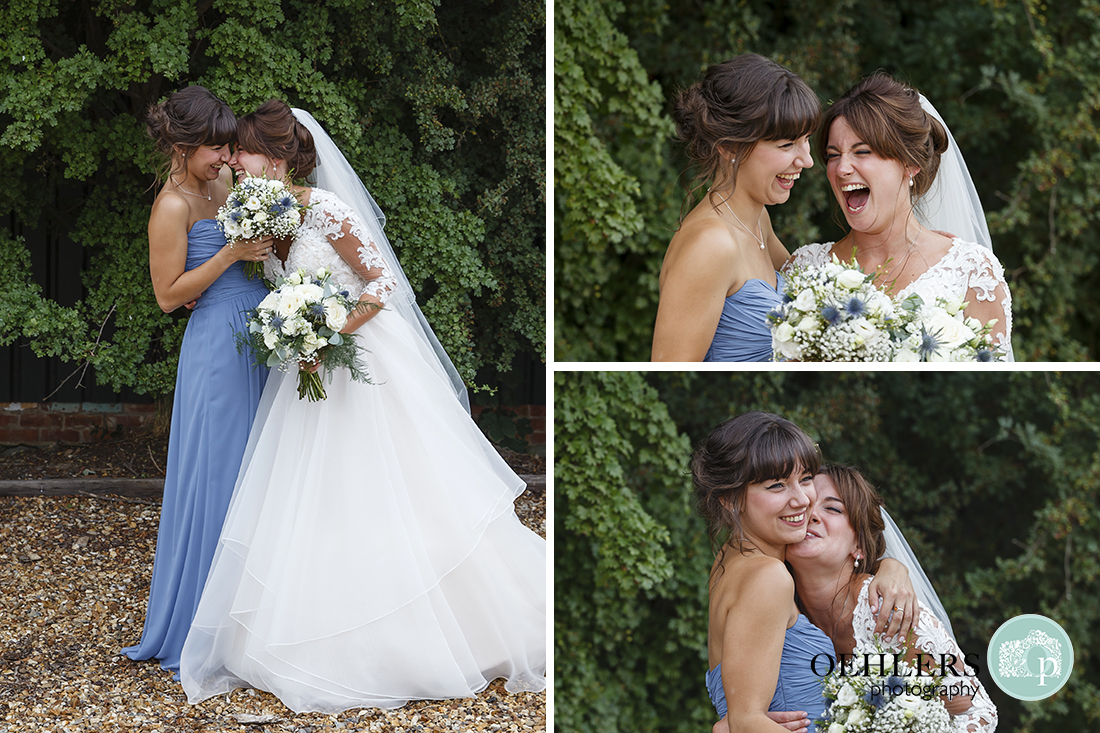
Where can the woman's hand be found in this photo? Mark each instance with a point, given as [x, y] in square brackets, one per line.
[958, 704]
[251, 250]
[892, 591]
[794, 721]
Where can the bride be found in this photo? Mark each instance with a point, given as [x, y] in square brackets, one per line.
[882, 144]
[371, 554]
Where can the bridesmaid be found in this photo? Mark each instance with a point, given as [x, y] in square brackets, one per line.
[217, 389]
[746, 126]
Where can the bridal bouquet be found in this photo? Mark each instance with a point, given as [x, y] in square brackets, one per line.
[881, 693]
[257, 207]
[940, 331]
[834, 312]
[299, 322]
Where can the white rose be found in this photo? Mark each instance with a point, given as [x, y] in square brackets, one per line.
[260, 217]
[294, 278]
[837, 728]
[269, 301]
[312, 293]
[862, 328]
[270, 339]
[857, 716]
[851, 279]
[289, 303]
[323, 272]
[806, 301]
[905, 355]
[808, 324]
[952, 331]
[784, 332]
[253, 203]
[788, 349]
[847, 696]
[335, 314]
[908, 702]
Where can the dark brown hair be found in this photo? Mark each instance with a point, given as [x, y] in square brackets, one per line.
[863, 505]
[749, 448]
[737, 104]
[189, 118]
[272, 131]
[887, 116]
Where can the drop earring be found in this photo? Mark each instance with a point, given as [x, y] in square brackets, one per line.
[910, 181]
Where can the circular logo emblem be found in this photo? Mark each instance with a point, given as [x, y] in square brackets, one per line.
[1030, 657]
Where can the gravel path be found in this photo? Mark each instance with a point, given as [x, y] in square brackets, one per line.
[75, 577]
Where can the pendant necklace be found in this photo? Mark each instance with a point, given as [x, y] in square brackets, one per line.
[759, 239]
[199, 195]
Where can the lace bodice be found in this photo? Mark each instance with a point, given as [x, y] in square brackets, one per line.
[333, 236]
[932, 638]
[967, 271]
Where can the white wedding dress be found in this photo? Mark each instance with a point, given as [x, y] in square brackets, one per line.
[932, 638]
[371, 554]
[968, 271]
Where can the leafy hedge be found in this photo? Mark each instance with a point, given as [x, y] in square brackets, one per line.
[439, 106]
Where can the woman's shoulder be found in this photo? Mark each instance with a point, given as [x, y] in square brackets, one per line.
[975, 255]
[748, 575]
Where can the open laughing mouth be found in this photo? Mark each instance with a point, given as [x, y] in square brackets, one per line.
[786, 180]
[855, 196]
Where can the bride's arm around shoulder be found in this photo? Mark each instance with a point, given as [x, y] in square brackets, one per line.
[352, 241]
[971, 713]
[988, 295]
[695, 277]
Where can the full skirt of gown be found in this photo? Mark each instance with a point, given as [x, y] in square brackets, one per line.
[371, 554]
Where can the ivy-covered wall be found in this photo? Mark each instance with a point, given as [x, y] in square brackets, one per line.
[440, 106]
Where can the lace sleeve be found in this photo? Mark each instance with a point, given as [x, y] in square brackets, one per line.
[988, 293]
[932, 639]
[810, 255]
[353, 243]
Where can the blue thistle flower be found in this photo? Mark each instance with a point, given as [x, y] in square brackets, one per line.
[855, 307]
[983, 355]
[831, 315]
[317, 311]
[236, 215]
[775, 314]
[787, 298]
[345, 294]
[277, 323]
[929, 344]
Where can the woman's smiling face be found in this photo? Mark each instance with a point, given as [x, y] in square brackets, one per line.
[770, 170]
[872, 191]
[830, 538]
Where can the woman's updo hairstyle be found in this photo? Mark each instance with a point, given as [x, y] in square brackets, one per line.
[863, 505]
[189, 118]
[886, 114]
[747, 449]
[273, 131]
[737, 104]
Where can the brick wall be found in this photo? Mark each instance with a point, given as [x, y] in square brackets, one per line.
[69, 422]
[81, 422]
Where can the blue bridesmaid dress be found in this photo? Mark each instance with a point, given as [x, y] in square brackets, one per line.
[217, 392]
[743, 333]
[798, 687]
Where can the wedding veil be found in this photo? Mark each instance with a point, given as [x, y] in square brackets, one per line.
[952, 203]
[334, 174]
[898, 548]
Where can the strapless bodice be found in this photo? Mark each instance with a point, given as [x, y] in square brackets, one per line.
[204, 240]
[798, 687]
[743, 333]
